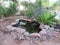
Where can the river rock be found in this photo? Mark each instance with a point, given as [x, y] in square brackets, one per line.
[17, 34]
[35, 37]
[46, 34]
[9, 28]
[26, 34]
[42, 26]
[20, 30]
[35, 34]
[43, 31]
[17, 20]
[46, 27]
[14, 23]
[13, 34]
[22, 23]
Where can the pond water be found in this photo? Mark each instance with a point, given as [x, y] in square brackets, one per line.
[31, 27]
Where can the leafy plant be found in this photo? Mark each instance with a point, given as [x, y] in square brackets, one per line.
[58, 21]
[47, 18]
[33, 9]
[12, 9]
[3, 11]
[8, 11]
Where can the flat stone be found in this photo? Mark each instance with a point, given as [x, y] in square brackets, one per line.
[42, 26]
[46, 27]
[13, 35]
[57, 30]
[46, 34]
[26, 34]
[10, 28]
[13, 23]
[17, 35]
[51, 29]
[17, 20]
[22, 23]
[20, 30]
[43, 31]
[28, 20]
[35, 35]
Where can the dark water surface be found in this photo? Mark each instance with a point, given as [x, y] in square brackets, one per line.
[31, 27]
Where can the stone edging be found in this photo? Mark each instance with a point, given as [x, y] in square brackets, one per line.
[19, 33]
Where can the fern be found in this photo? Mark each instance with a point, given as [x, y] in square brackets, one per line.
[47, 18]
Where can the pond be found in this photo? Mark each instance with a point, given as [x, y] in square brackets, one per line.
[30, 26]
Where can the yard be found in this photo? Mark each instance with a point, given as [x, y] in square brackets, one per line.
[38, 23]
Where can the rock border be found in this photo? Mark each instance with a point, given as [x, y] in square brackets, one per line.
[21, 34]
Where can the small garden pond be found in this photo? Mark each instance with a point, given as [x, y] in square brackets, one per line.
[30, 26]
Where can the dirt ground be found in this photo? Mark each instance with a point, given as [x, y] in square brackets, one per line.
[7, 39]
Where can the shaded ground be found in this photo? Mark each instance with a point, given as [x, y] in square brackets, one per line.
[7, 39]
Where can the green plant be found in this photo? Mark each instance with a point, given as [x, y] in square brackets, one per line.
[12, 9]
[33, 9]
[58, 21]
[47, 18]
[8, 11]
[3, 11]
[29, 12]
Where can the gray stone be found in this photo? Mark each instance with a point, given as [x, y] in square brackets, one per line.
[35, 37]
[21, 37]
[43, 31]
[46, 27]
[20, 30]
[22, 23]
[35, 34]
[26, 34]
[57, 30]
[13, 34]
[17, 20]
[10, 28]
[46, 34]
[17, 35]
[42, 26]
[51, 29]
[13, 23]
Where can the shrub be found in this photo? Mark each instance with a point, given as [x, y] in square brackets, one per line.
[29, 12]
[3, 11]
[57, 21]
[33, 9]
[47, 18]
[8, 11]
[12, 9]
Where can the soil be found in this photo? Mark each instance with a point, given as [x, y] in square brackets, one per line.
[7, 39]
